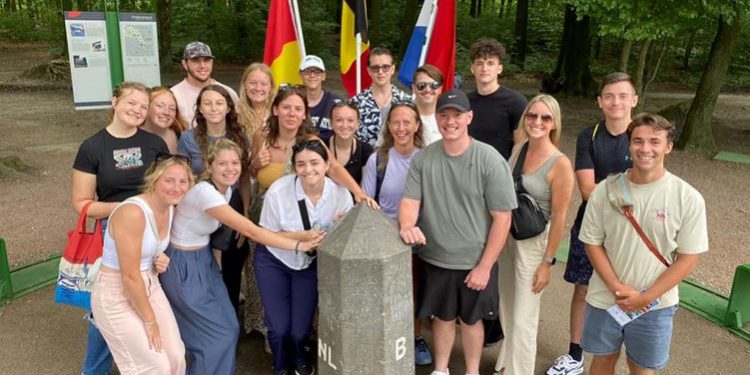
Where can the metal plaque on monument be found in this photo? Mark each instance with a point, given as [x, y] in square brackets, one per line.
[366, 314]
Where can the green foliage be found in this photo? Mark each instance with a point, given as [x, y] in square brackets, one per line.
[320, 31]
[19, 26]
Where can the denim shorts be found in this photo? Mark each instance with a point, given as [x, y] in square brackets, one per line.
[646, 339]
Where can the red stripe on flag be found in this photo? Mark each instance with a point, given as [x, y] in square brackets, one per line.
[349, 76]
[442, 51]
[279, 30]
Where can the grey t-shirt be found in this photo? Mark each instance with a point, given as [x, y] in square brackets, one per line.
[457, 195]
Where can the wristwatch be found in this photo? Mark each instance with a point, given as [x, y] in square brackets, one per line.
[550, 260]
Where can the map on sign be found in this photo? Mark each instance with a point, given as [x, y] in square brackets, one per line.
[139, 41]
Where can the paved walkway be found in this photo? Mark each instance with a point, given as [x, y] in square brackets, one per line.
[40, 337]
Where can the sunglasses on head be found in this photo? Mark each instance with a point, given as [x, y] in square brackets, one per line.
[162, 156]
[423, 85]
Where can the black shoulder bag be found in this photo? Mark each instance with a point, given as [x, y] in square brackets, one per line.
[528, 220]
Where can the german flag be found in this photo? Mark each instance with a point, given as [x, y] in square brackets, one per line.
[353, 22]
[282, 51]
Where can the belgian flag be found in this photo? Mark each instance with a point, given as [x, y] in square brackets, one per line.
[284, 46]
[353, 23]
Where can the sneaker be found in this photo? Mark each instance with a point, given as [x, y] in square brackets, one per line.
[566, 365]
[304, 369]
[436, 372]
[422, 354]
[281, 372]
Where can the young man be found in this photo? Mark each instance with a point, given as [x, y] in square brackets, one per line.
[466, 194]
[601, 150]
[198, 62]
[375, 102]
[630, 274]
[427, 86]
[497, 109]
[313, 73]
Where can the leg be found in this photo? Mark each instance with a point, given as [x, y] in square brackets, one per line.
[635, 370]
[304, 300]
[506, 281]
[233, 260]
[577, 309]
[274, 285]
[604, 364]
[647, 340]
[98, 360]
[472, 339]
[443, 336]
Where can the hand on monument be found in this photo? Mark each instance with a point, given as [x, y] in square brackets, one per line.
[368, 201]
[541, 278]
[630, 299]
[413, 236]
[312, 243]
[478, 277]
[312, 234]
[161, 263]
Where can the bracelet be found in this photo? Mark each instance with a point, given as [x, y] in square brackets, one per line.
[149, 323]
[296, 247]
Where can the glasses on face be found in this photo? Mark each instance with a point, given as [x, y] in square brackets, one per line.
[163, 156]
[547, 119]
[312, 72]
[421, 86]
[385, 68]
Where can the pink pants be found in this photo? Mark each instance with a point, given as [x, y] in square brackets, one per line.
[125, 333]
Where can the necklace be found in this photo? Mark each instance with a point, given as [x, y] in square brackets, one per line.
[335, 150]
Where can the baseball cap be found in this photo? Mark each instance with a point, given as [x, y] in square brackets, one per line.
[454, 99]
[312, 61]
[197, 49]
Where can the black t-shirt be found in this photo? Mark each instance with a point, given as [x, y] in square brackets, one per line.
[357, 160]
[496, 116]
[118, 163]
[603, 152]
[319, 114]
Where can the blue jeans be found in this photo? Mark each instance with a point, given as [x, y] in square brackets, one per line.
[98, 360]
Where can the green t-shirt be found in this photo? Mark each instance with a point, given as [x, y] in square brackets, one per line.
[457, 195]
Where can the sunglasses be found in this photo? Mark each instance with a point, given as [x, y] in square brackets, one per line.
[421, 86]
[385, 68]
[531, 116]
[162, 156]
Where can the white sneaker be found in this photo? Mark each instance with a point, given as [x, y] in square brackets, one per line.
[436, 372]
[566, 365]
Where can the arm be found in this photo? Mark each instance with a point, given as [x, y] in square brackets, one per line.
[341, 176]
[586, 184]
[631, 299]
[226, 215]
[561, 182]
[259, 155]
[600, 261]
[126, 227]
[369, 176]
[408, 213]
[479, 276]
[84, 190]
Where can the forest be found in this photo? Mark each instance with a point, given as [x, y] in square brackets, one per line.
[567, 44]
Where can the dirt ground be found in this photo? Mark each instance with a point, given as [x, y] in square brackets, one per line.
[40, 126]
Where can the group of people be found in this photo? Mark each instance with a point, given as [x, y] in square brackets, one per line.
[194, 182]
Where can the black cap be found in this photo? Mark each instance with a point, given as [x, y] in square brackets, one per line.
[454, 98]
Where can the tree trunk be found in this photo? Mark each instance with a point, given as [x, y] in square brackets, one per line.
[572, 75]
[501, 13]
[652, 73]
[164, 25]
[698, 132]
[642, 58]
[374, 25]
[688, 51]
[521, 32]
[410, 18]
[625, 56]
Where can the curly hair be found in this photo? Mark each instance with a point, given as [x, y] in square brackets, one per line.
[234, 131]
[388, 137]
[485, 48]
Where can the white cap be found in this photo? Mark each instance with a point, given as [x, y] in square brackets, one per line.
[312, 61]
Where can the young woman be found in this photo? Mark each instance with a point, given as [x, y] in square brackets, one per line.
[108, 169]
[427, 86]
[288, 125]
[164, 117]
[193, 282]
[132, 311]
[287, 280]
[385, 179]
[547, 175]
[257, 90]
[347, 149]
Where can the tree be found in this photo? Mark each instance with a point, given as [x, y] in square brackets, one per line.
[164, 23]
[410, 17]
[572, 75]
[698, 132]
[521, 32]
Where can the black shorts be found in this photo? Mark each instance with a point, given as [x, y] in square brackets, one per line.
[444, 294]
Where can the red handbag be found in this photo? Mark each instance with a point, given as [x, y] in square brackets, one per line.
[80, 263]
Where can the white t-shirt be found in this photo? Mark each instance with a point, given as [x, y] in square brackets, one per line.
[430, 130]
[192, 226]
[187, 95]
[673, 216]
[281, 213]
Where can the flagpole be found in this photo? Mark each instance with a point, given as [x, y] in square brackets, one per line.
[359, 58]
[428, 37]
[298, 28]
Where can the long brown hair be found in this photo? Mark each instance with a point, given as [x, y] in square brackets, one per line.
[305, 130]
[248, 117]
[388, 137]
[234, 131]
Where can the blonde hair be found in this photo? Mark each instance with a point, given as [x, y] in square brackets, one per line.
[213, 151]
[248, 117]
[157, 169]
[556, 133]
[126, 88]
[179, 125]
